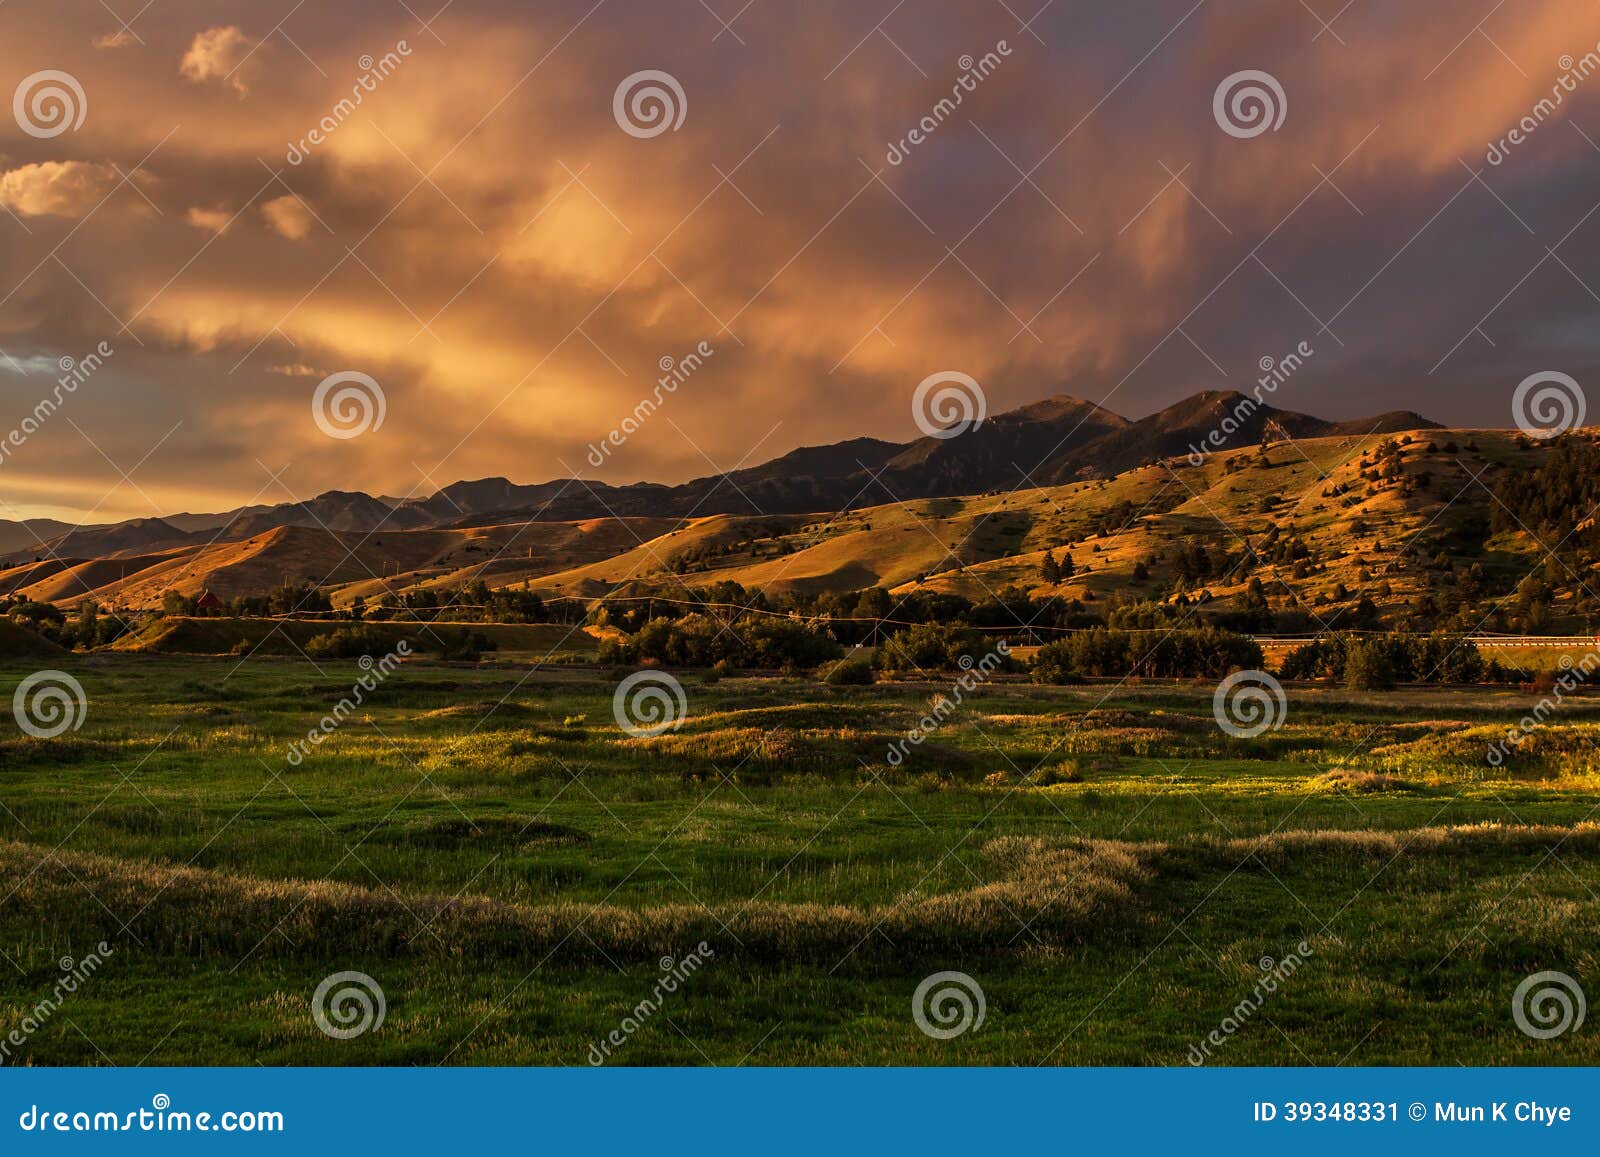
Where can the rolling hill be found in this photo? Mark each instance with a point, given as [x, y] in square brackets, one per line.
[352, 564]
[1341, 511]
[1057, 440]
[1336, 518]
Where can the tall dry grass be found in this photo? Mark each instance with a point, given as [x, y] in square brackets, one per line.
[1065, 893]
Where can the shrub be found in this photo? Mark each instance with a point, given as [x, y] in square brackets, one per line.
[702, 641]
[849, 673]
[1205, 652]
[777, 642]
[935, 647]
[1367, 666]
[349, 643]
[1052, 663]
[1436, 658]
[352, 642]
[1067, 771]
[459, 644]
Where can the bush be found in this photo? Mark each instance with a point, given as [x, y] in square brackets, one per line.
[849, 673]
[349, 643]
[1367, 667]
[1436, 658]
[935, 647]
[702, 641]
[460, 645]
[451, 643]
[1052, 663]
[777, 642]
[1205, 652]
[1067, 771]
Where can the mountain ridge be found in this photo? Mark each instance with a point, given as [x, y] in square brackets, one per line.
[1054, 440]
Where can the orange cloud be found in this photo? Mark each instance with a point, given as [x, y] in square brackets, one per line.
[288, 217]
[56, 188]
[211, 220]
[217, 54]
[513, 265]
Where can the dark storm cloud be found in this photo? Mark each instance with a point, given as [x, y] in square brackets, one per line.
[481, 236]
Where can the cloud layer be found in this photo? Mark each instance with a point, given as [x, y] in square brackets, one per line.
[455, 210]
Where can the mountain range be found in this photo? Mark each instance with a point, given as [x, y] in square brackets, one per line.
[1056, 441]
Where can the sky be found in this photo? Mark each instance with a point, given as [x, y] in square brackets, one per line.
[498, 248]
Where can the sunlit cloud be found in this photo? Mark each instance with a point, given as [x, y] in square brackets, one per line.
[489, 243]
[56, 188]
[288, 217]
[217, 54]
[211, 220]
[121, 38]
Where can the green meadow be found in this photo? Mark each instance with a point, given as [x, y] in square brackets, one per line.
[1112, 870]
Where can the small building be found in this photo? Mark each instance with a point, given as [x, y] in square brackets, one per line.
[208, 604]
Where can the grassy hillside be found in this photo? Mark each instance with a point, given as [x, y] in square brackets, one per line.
[1312, 488]
[19, 642]
[1319, 530]
[1368, 527]
[354, 564]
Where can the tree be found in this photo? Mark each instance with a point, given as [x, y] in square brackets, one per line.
[873, 603]
[936, 647]
[1367, 666]
[1049, 569]
[173, 603]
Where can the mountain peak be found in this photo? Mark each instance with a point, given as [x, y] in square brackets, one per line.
[1056, 439]
[1058, 406]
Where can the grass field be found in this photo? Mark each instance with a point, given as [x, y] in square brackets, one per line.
[511, 867]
